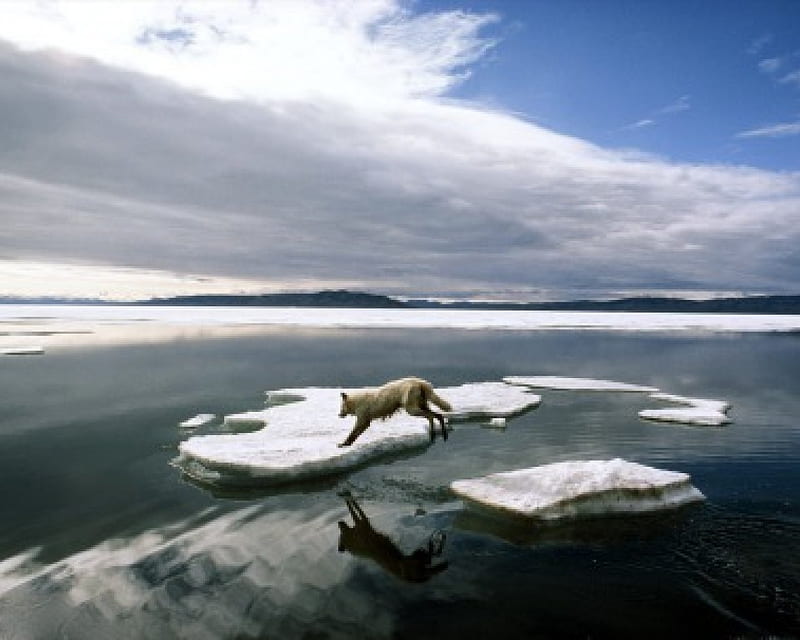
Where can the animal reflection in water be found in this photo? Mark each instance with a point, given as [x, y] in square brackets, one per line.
[362, 540]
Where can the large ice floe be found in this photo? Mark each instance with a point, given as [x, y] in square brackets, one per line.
[699, 411]
[560, 383]
[298, 439]
[573, 489]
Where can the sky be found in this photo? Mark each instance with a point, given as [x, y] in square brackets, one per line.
[453, 148]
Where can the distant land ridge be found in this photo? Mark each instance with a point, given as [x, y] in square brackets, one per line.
[359, 300]
[748, 304]
[337, 298]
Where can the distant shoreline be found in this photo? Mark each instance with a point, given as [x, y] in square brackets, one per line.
[773, 305]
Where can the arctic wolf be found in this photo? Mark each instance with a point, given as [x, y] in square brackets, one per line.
[411, 394]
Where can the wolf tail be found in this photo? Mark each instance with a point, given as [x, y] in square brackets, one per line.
[443, 404]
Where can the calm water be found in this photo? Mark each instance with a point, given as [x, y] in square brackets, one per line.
[102, 538]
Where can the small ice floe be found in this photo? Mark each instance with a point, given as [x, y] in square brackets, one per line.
[22, 351]
[200, 420]
[299, 439]
[488, 400]
[574, 489]
[498, 423]
[559, 383]
[700, 411]
[246, 420]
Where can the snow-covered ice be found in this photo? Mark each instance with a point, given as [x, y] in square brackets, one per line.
[299, 440]
[199, 420]
[488, 399]
[578, 488]
[700, 411]
[22, 351]
[409, 318]
[576, 384]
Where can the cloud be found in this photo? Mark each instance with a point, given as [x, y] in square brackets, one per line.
[64, 279]
[781, 130]
[770, 65]
[758, 44]
[378, 182]
[792, 78]
[655, 116]
[282, 49]
[639, 124]
[681, 104]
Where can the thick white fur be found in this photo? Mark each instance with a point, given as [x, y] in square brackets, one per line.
[411, 394]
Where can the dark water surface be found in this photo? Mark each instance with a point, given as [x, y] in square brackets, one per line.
[101, 538]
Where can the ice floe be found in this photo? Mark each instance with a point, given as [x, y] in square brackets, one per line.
[201, 419]
[488, 400]
[573, 489]
[700, 411]
[576, 384]
[22, 351]
[299, 439]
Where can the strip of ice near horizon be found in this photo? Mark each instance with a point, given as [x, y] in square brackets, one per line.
[700, 411]
[298, 439]
[561, 383]
[577, 489]
[22, 351]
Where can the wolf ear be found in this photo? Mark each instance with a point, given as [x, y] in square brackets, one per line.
[344, 396]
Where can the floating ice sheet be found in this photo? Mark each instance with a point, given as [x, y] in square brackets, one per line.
[488, 400]
[577, 489]
[576, 384]
[700, 411]
[299, 439]
[298, 442]
[22, 351]
[199, 420]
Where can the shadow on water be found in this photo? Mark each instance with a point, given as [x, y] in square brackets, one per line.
[602, 531]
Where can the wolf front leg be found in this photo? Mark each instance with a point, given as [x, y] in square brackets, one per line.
[431, 416]
[361, 424]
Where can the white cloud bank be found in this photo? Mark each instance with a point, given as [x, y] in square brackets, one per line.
[304, 141]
